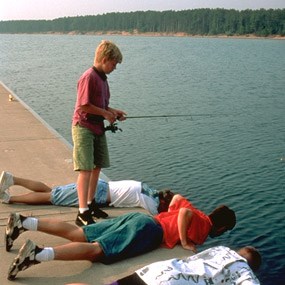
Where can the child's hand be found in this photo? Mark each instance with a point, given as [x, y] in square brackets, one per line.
[121, 116]
[110, 117]
[189, 246]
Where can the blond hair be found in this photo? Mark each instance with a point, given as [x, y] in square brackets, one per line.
[108, 50]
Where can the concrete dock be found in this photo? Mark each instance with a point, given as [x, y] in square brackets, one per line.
[30, 148]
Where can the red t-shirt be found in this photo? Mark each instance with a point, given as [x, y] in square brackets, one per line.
[198, 231]
[92, 88]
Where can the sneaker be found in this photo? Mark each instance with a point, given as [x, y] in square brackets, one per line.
[13, 229]
[84, 219]
[96, 212]
[25, 259]
[6, 197]
[6, 180]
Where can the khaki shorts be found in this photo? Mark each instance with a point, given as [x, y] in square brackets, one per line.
[89, 150]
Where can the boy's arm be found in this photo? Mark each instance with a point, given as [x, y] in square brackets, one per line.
[106, 114]
[184, 220]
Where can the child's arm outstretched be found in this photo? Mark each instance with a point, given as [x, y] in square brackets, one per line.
[184, 222]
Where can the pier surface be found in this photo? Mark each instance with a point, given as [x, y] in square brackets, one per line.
[30, 148]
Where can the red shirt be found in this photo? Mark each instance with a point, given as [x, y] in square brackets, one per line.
[92, 88]
[198, 231]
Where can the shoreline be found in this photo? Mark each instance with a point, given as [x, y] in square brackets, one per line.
[178, 34]
[155, 34]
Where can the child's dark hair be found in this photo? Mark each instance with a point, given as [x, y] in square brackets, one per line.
[165, 196]
[223, 217]
[252, 255]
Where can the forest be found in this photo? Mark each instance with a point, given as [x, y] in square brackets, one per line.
[204, 22]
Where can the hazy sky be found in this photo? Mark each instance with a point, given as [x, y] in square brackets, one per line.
[51, 9]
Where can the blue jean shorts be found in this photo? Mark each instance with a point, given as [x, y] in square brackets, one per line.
[125, 236]
[66, 195]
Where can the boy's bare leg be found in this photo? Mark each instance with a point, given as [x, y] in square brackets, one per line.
[32, 185]
[62, 229]
[93, 183]
[96, 212]
[82, 187]
[84, 216]
[30, 254]
[78, 251]
[34, 198]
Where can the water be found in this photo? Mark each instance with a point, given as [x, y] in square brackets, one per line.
[230, 151]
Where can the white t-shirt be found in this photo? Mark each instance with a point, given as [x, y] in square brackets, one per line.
[214, 266]
[128, 193]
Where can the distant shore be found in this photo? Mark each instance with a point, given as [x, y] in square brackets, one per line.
[179, 34]
[155, 34]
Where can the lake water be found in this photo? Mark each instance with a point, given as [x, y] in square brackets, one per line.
[230, 151]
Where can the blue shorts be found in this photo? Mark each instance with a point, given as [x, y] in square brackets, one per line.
[66, 195]
[125, 236]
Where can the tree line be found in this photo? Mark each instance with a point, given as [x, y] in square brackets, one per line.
[190, 22]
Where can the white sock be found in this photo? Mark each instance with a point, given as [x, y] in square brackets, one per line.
[89, 202]
[46, 254]
[31, 224]
[82, 210]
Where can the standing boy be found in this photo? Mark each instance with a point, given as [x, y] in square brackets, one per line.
[90, 152]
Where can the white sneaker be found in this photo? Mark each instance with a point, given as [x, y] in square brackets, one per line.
[25, 259]
[6, 197]
[13, 229]
[6, 180]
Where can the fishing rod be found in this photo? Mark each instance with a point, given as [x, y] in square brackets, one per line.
[114, 127]
[169, 116]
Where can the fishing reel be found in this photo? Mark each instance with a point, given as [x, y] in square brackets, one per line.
[113, 128]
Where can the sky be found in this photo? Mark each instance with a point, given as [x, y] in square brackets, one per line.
[52, 9]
